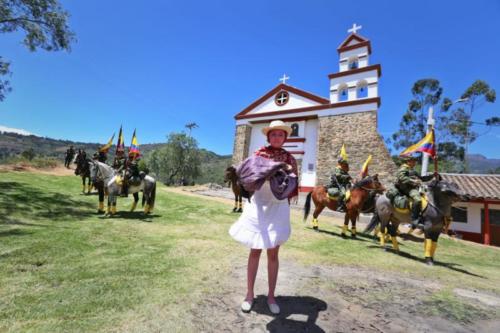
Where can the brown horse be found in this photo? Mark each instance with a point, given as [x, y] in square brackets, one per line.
[361, 199]
[231, 178]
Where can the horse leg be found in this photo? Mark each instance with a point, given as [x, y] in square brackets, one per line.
[89, 185]
[83, 184]
[109, 205]
[353, 225]
[240, 202]
[382, 233]
[317, 210]
[430, 245]
[345, 225]
[393, 232]
[235, 208]
[113, 206]
[100, 208]
[136, 199]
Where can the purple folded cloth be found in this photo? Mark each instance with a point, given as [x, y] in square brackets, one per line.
[255, 170]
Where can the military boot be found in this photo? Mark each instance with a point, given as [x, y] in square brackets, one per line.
[416, 221]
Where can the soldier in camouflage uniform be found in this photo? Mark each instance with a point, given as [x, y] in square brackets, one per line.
[339, 182]
[408, 182]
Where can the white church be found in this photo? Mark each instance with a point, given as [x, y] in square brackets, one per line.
[353, 91]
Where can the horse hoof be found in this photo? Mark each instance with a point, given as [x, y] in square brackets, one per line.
[315, 228]
[240, 210]
[429, 261]
[100, 211]
[234, 210]
[343, 235]
[353, 236]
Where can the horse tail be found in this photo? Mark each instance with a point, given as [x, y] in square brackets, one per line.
[153, 195]
[373, 223]
[307, 206]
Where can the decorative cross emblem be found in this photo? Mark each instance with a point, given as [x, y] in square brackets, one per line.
[355, 28]
[284, 78]
[281, 98]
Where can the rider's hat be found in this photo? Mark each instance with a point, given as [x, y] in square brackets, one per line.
[343, 161]
[277, 124]
[408, 158]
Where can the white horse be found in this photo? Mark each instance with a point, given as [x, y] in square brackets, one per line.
[112, 187]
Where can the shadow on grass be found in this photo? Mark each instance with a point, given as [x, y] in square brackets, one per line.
[292, 305]
[332, 233]
[16, 197]
[137, 215]
[412, 238]
[14, 232]
[451, 266]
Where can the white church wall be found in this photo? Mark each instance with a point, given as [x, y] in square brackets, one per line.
[257, 139]
[309, 158]
[294, 102]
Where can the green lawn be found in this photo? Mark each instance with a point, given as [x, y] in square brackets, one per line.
[65, 268]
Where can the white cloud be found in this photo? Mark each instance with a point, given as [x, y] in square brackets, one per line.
[14, 130]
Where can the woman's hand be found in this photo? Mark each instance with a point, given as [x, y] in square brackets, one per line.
[288, 167]
[294, 200]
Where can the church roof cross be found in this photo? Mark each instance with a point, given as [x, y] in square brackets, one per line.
[355, 28]
[284, 78]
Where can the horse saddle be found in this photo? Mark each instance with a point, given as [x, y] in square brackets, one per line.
[333, 193]
[403, 204]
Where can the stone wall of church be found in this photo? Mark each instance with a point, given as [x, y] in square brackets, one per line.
[358, 131]
[241, 143]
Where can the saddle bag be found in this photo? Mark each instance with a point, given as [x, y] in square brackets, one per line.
[333, 193]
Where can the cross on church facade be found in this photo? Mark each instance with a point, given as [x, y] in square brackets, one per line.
[355, 28]
[284, 78]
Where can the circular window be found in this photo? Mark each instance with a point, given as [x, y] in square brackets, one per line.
[281, 98]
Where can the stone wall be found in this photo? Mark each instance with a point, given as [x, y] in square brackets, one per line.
[358, 131]
[241, 143]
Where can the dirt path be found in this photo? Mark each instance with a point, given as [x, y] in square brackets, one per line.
[60, 170]
[328, 299]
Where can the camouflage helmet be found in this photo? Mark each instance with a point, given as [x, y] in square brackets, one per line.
[343, 161]
[409, 158]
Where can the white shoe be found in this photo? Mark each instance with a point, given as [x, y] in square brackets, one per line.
[274, 308]
[246, 306]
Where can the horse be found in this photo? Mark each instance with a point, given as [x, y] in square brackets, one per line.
[361, 200]
[83, 170]
[111, 180]
[231, 178]
[436, 209]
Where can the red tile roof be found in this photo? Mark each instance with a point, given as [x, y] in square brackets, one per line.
[477, 186]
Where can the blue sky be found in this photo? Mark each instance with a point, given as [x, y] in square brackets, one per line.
[157, 65]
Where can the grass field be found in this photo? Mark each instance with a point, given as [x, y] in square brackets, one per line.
[65, 268]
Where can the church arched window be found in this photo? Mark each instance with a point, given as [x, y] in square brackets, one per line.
[295, 130]
[343, 93]
[353, 62]
[362, 89]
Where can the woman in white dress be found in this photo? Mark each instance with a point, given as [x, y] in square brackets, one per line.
[265, 221]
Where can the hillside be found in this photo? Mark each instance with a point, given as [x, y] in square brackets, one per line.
[12, 144]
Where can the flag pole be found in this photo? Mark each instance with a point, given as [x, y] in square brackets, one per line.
[430, 127]
[436, 156]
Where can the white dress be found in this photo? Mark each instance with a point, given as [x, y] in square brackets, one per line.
[265, 221]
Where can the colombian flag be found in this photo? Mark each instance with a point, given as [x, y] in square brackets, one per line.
[105, 148]
[364, 169]
[120, 145]
[133, 151]
[427, 145]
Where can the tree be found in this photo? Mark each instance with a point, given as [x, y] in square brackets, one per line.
[44, 23]
[178, 162]
[413, 124]
[459, 122]
[190, 127]
[28, 154]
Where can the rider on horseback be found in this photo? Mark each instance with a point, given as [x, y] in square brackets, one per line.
[339, 182]
[408, 182]
[100, 156]
[132, 173]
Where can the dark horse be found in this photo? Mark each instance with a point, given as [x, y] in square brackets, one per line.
[361, 200]
[231, 178]
[83, 170]
[436, 208]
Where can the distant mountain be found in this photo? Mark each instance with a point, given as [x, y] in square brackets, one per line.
[14, 130]
[480, 164]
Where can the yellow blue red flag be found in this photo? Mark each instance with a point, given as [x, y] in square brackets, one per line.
[120, 145]
[343, 153]
[427, 145]
[105, 148]
[133, 151]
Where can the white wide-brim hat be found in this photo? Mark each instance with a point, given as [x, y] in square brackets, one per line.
[277, 125]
